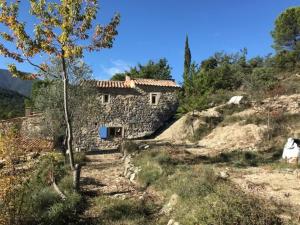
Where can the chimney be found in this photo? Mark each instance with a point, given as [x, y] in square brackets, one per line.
[127, 78]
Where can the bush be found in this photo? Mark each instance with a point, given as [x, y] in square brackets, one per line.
[36, 203]
[225, 204]
[79, 158]
[149, 174]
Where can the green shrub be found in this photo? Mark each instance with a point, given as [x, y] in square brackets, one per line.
[149, 174]
[63, 212]
[79, 158]
[48, 163]
[66, 184]
[36, 201]
[223, 205]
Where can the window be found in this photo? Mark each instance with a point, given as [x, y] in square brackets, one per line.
[107, 133]
[115, 132]
[154, 98]
[106, 98]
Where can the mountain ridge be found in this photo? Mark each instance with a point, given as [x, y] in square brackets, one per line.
[15, 84]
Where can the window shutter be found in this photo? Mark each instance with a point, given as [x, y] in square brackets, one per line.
[103, 132]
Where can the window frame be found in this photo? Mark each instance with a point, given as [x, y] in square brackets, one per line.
[108, 98]
[157, 97]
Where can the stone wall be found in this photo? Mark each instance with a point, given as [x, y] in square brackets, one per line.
[29, 127]
[130, 109]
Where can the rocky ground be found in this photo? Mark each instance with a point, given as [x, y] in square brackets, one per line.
[280, 186]
[102, 175]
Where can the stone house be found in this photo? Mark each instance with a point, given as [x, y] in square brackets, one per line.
[130, 109]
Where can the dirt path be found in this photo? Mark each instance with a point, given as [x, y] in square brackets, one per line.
[102, 175]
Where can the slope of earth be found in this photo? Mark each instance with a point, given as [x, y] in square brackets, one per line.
[184, 128]
[238, 127]
[234, 136]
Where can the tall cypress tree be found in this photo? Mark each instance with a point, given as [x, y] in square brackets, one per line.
[187, 66]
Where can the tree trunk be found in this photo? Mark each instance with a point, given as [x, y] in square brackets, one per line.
[74, 168]
[76, 177]
[66, 112]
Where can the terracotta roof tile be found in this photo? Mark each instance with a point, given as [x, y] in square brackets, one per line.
[152, 82]
[130, 83]
[107, 84]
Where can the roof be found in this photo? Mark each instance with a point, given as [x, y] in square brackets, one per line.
[107, 84]
[131, 83]
[152, 82]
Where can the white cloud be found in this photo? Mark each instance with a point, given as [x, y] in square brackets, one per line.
[117, 66]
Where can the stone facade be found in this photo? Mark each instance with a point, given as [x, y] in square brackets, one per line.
[138, 111]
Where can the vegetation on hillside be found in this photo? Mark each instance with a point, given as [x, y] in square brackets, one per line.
[11, 104]
[223, 75]
[35, 192]
[203, 197]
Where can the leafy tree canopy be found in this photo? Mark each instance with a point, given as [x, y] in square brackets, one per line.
[286, 34]
[64, 30]
[160, 70]
[47, 96]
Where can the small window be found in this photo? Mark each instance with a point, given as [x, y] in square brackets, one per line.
[106, 98]
[154, 97]
[115, 132]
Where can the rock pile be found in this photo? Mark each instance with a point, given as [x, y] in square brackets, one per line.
[168, 208]
[130, 170]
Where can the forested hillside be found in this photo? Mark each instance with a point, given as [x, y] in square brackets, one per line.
[8, 82]
[11, 104]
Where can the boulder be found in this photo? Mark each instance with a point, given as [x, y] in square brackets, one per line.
[236, 100]
[168, 208]
[224, 175]
[291, 151]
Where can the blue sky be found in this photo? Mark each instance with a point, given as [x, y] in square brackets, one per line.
[157, 28]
